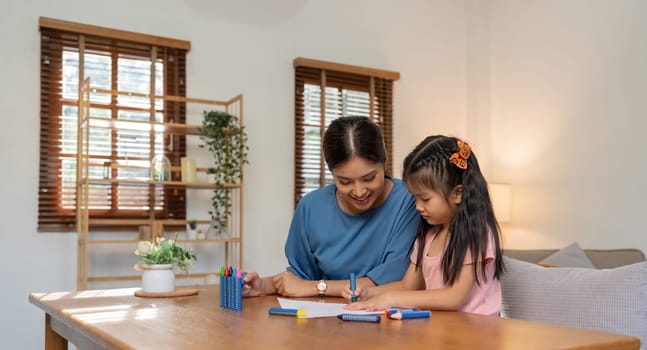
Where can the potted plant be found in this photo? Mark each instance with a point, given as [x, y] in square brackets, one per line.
[157, 259]
[226, 139]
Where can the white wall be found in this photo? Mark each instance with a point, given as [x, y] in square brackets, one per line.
[237, 47]
[568, 85]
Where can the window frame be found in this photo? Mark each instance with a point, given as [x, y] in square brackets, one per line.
[57, 36]
[377, 83]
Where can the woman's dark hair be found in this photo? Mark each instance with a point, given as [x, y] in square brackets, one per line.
[429, 166]
[348, 137]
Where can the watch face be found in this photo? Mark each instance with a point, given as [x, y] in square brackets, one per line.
[321, 286]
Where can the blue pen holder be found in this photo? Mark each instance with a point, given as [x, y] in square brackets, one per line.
[231, 292]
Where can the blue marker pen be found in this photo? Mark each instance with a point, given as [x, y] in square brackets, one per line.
[353, 286]
[360, 318]
[286, 312]
[411, 314]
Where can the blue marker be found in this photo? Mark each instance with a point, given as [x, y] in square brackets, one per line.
[360, 318]
[286, 312]
[390, 312]
[411, 314]
[353, 286]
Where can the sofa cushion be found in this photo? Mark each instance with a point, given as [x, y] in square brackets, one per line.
[569, 256]
[611, 300]
[610, 258]
[601, 258]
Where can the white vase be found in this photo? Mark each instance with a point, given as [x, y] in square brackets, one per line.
[158, 278]
[191, 233]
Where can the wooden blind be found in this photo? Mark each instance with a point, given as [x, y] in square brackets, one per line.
[117, 62]
[325, 91]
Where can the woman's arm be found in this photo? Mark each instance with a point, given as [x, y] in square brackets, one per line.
[289, 285]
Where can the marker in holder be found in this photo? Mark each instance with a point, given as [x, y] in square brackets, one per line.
[231, 288]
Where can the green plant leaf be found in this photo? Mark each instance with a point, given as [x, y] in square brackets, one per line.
[226, 139]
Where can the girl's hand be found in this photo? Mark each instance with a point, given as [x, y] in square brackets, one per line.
[348, 294]
[289, 285]
[253, 285]
[376, 303]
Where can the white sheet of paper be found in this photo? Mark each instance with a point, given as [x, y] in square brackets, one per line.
[317, 309]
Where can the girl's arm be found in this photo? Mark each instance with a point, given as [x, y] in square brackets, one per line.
[412, 280]
[449, 298]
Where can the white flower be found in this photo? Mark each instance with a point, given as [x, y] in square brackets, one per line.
[165, 251]
[143, 247]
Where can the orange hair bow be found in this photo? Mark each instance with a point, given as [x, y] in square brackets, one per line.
[460, 158]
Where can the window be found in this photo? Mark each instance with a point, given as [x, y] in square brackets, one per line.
[125, 69]
[347, 90]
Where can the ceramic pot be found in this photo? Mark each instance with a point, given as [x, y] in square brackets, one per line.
[158, 278]
[191, 233]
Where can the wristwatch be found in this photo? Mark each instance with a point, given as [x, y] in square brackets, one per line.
[321, 288]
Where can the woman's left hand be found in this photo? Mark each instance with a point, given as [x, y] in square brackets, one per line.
[289, 285]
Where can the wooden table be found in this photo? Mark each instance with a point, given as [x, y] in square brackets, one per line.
[116, 319]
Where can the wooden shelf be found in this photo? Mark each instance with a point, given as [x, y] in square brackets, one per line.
[178, 276]
[139, 222]
[135, 182]
[151, 226]
[131, 125]
[134, 241]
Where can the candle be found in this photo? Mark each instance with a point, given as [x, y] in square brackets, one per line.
[187, 166]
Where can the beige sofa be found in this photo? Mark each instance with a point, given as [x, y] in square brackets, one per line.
[607, 293]
[601, 258]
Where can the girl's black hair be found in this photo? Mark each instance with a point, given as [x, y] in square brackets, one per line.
[348, 137]
[428, 166]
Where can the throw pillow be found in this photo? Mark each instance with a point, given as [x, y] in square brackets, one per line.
[611, 300]
[569, 256]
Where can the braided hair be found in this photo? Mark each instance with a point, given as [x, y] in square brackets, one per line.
[429, 166]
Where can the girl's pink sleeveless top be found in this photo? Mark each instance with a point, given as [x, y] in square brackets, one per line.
[483, 299]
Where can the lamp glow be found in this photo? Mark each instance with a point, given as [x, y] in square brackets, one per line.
[501, 196]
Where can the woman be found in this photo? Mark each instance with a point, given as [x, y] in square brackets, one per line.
[364, 223]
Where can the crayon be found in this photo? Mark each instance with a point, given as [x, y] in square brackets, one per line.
[286, 312]
[222, 286]
[360, 318]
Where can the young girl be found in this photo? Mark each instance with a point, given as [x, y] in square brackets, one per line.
[456, 261]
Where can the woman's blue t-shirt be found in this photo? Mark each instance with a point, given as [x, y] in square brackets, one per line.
[326, 243]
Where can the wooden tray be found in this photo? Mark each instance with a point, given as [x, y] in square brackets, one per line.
[179, 292]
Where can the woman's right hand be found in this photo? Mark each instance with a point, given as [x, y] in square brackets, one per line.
[253, 285]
